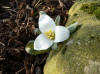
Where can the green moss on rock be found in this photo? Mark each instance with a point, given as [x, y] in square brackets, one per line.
[92, 8]
[81, 53]
[97, 13]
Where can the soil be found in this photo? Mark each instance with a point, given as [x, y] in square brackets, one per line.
[18, 20]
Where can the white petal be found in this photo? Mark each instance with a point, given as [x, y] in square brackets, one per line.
[42, 43]
[61, 34]
[46, 23]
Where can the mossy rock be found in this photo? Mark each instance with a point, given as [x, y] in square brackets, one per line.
[97, 13]
[81, 53]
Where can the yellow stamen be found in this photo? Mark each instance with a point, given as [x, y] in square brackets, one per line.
[50, 34]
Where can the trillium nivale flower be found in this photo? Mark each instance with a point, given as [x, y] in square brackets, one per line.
[50, 33]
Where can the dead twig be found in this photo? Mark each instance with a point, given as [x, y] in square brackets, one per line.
[32, 69]
[18, 72]
[2, 44]
[1, 59]
[62, 5]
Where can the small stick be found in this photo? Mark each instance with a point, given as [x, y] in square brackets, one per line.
[1, 59]
[61, 3]
[2, 44]
[19, 71]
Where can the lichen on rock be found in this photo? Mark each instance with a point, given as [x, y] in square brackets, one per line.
[81, 53]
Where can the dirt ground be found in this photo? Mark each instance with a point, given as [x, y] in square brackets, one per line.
[18, 20]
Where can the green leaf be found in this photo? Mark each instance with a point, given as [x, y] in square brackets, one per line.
[57, 20]
[30, 49]
[54, 46]
[73, 27]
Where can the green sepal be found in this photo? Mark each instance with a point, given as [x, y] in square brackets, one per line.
[54, 46]
[30, 49]
[57, 20]
[73, 27]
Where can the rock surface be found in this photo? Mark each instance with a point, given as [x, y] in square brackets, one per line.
[81, 53]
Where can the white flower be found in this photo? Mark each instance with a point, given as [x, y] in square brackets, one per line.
[50, 33]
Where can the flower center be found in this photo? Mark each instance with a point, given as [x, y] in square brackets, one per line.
[50, 34]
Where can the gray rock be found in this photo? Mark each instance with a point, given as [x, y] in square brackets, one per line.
[81, 53]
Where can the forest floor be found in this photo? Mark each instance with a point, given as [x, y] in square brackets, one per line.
[18, 20]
